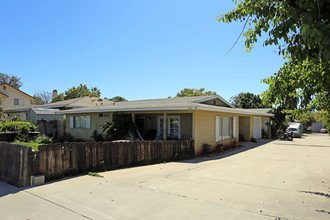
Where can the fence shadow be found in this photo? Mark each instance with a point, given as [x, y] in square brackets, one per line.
[244, 146]
[6, 189]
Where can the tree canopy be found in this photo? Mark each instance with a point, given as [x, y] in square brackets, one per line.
[247, 100]
[186, 92]
[76, 92]
[14, 81]
[118, 99]
[300, 29]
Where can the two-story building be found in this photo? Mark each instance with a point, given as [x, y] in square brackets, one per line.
[13, 100]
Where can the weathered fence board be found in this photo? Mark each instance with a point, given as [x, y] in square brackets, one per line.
[15, 164]
[18, 163]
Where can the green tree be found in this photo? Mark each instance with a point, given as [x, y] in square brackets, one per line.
[118, 99]
[59, 97]
[186, 92]
[247, 100]
[306, 119]
[300, 29]
[14, 81]
[37, 100]
[76, 92]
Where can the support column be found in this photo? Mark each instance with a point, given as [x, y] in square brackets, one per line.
[165, 126]
[133, 120]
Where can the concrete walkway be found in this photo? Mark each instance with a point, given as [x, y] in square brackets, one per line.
[275, 180]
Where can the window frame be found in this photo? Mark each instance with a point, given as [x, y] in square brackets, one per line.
[84, 122]
[19, 101]
[168, 134]
[225, 127]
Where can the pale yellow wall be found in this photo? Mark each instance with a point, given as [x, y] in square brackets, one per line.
[8, 102]
[86, 133]
[204, 130]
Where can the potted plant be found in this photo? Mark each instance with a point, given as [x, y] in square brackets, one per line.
[219, 147]
[207, 148]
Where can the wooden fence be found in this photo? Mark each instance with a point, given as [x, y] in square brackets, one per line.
[15, 164]
[66, 159]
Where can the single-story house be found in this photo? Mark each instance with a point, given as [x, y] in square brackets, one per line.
[205, 119]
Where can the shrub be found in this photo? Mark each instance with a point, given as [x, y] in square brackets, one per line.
[43, 139]
[120, 128]
[22, 129]
[97, 137]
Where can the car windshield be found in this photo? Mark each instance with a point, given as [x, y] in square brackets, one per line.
[292, 129]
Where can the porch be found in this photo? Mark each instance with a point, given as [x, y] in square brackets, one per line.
[151, 126]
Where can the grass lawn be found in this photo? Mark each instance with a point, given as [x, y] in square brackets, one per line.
[29, 144]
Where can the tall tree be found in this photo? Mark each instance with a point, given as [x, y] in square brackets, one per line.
[76, 92]
[186, 92]
[247, 100]
[118, 99]
[14, 81]
[300, 29]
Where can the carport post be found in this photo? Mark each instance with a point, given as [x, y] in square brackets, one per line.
[165, 126]
[133, 120]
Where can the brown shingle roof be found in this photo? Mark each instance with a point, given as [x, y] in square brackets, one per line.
[182, 103]
[78, 102]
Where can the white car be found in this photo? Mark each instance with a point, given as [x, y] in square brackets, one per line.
[324, 130]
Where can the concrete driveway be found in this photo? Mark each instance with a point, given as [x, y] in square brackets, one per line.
[276, 180]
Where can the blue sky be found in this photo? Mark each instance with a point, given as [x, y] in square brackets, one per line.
[135, 49]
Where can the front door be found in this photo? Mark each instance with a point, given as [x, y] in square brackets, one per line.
[257, 128]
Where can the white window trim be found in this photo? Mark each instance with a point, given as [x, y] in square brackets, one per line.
[219, 134]
[168, 124]
[73, 118]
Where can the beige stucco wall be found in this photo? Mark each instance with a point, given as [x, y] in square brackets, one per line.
[86, 133]
[8, 102]
[204, 130]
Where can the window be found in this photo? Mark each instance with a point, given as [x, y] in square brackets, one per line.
[80, 121]
[4, 87]
[173, 127]
[104, 115]
[225, 128]
[18, 101]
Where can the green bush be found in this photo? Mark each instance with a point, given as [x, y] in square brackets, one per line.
[97, 137]
[43, 139]
[22, 129]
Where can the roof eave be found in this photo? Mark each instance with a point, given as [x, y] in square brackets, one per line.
[126, 110]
